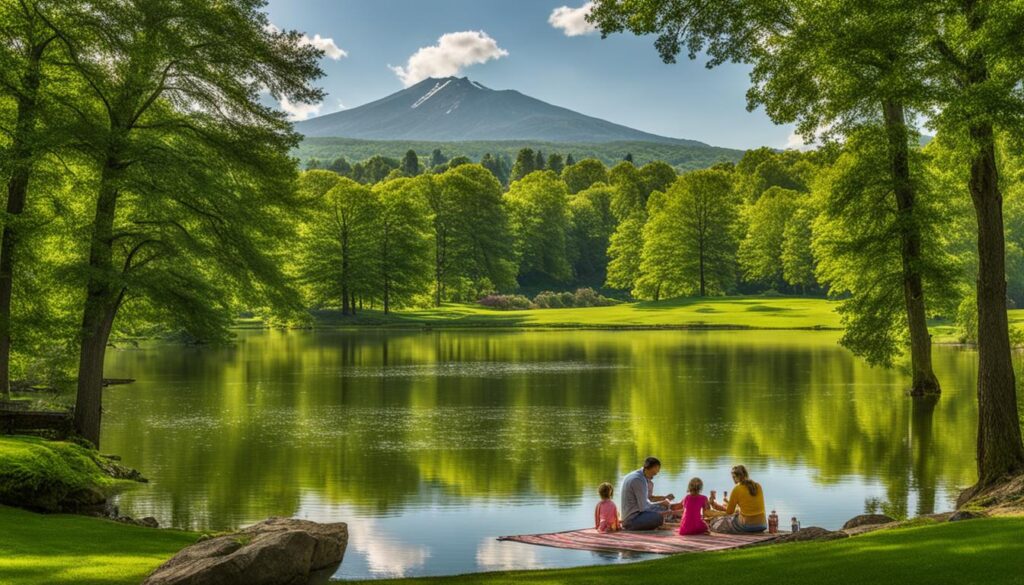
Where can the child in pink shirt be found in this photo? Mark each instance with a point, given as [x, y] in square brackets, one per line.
[606, 515]
[694, 507]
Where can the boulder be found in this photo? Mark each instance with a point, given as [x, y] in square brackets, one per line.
[812, 533]
[867, 520]
[965, 515]
[278, 551]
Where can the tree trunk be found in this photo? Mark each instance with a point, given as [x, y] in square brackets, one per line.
[346, 306]
[22, 155]
[701, 254]
[101, 304]
[1000, 451]
[923, 381]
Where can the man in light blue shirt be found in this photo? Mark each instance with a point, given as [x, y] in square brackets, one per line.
[641, 510]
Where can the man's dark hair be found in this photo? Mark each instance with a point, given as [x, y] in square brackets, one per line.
[652, 462]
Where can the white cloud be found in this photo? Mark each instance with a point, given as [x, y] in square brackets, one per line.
[327, 45]
[330, 49]
[299, 111]
[452, 52]
[572, 21]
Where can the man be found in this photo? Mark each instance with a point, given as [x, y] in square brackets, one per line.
[641, 510]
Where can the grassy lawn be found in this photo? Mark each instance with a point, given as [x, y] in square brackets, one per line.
[983, 552]
[724, 312]
[52, 549]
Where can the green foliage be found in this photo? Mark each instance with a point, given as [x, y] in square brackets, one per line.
[624, 251]
[472, 238]
[526, 163]
[402, 240]
[857, 243]
[683, 157]
[798, 262]
[337, 245]
[410, 164]
[689, 246]
[537, 207]
[592, 225]
[584, 174]
[761, 251]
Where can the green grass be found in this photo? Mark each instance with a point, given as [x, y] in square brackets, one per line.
[714, 312]
[39, 473]
[983, 552]
[53, 549]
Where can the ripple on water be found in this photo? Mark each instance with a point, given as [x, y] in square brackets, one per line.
[477, 369]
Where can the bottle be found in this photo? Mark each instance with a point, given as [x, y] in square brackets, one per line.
[725, 496]
[773, 523]
[796, 525]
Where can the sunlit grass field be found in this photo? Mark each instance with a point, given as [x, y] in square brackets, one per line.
[54, 549]
[718, 312]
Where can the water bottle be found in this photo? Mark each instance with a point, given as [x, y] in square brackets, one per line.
[773, 523]
[796, 525]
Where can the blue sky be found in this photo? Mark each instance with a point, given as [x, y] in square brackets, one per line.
[620, 79]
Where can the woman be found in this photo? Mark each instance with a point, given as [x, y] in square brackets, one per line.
[745, 508]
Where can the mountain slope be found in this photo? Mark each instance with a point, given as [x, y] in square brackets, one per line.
[458, 109]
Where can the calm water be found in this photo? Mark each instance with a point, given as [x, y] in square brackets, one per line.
[432, 444]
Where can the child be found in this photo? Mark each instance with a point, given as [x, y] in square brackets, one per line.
[694, 507]
[606, 515]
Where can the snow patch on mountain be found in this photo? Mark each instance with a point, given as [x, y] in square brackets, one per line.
[437, 87]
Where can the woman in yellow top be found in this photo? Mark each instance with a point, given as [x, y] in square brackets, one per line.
[745, 508]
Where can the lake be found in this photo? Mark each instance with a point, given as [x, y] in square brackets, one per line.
[432, 444]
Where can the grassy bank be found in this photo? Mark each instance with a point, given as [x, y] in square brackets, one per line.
[53, 549]
[55, 475]
[988, 552]
[57, 549]
[717, 312]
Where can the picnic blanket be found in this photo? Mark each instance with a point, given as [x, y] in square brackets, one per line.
[664, 542]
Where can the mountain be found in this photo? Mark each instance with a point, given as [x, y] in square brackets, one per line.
[458, 109]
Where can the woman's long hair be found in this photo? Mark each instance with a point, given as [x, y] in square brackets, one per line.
[741, 474]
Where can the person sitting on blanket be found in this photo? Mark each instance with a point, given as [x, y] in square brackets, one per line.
[641, 510]
[694, 506]
[606, 515]
[745, 509]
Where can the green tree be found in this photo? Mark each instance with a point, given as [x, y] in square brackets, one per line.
[497, 167]
[472, 238]
[628, 158]
[402, 229]
[193, 172]
[803, 72]
[582, 175]
[569, 160]
[537, 207]
[625, 248]
[337, 251]
[526, 163]
[410, 164]
[760, 251]
[975, 68]
[689, 243]
[340, 166]
[555, 163]
[592, 226]
[374, 169]
[798, 263]
[657, 176]
[437, 158]
[859, 251]
[26, 59]
[538, 162]
[630, 190]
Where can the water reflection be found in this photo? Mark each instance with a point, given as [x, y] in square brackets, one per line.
[476, 434]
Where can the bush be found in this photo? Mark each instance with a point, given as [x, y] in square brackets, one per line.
[583, 297]
[506, 302]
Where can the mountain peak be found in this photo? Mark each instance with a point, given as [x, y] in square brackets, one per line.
[458, 108]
